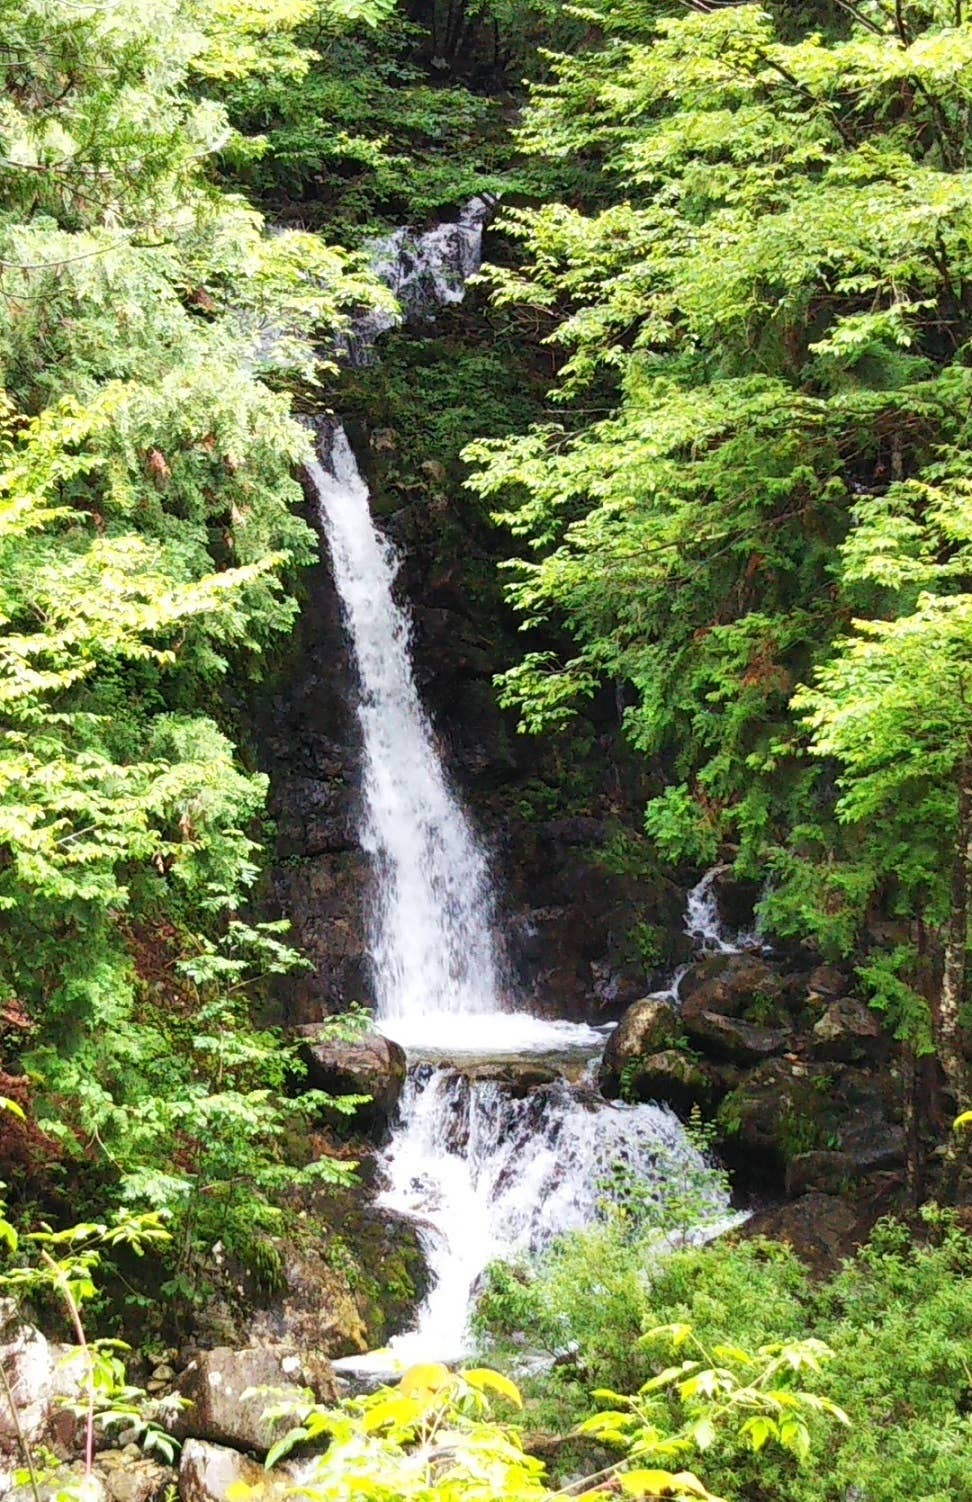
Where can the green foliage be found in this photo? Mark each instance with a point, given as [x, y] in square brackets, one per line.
[893, 1318]
[149, 329]
[431, 1437]
[756, 290]
[377, 131]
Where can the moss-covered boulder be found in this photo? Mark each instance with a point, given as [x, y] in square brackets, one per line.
[647, 1027]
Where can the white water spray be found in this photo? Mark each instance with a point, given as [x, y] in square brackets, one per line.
[492, 1174]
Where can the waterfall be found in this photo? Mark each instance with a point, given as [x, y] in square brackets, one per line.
[486, 1170]
[432, 948]
[485, 1166]
[492, 1174]
[703, 921]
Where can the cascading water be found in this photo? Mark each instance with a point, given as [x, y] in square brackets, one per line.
[485, 1168]
[489, 1173]
[703, 921]
[432, 947]
[423, 271]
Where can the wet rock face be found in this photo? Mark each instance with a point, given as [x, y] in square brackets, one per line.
[794, 1069]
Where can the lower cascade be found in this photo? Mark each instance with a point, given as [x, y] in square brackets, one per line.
[502, 1144]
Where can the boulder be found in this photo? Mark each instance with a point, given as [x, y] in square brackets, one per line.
[821, 1228]
[670, 1076]
[228, 1393]
[206, 1473]
[128, 1476]
[29, 1369]
[369, 1065]
[827, 981]
[848, 1030]
[647, 1027]
[731, 1038]
[315, 1309]
[517, 1076]
[732, 985]
[44, 1379]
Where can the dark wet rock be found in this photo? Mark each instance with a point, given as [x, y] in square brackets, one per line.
[821, 1228]
[516, 1076]
[736, 901]
[732, 985]
[873, 1146]
[369, 1065]
[214, 1384]
[828, 981]
[671, 1077]
[848, 1030]
[779, 1110]
[823, 1170]
[730, 1038]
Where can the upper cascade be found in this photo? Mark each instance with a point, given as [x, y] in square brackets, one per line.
[433, 950]
[424, 271]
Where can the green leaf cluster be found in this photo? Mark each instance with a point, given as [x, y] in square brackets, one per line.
[752, 510]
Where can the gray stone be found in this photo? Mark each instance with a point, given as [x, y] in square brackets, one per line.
[28, 1363]
[206, 1472]
[228, 1393]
